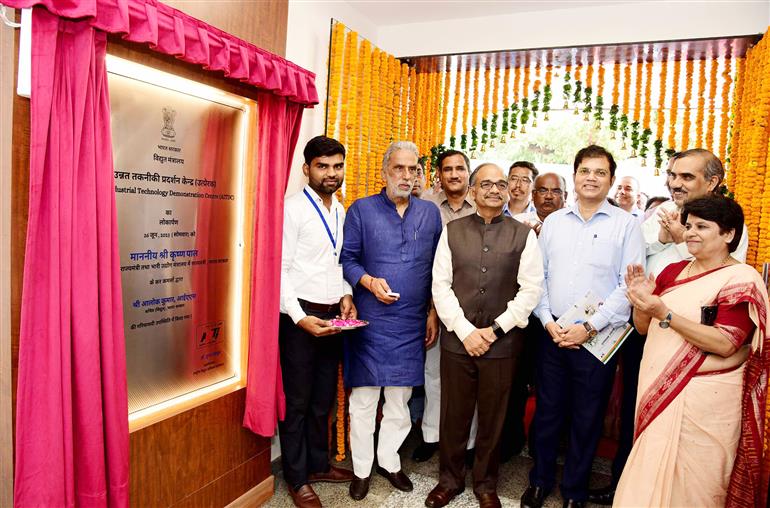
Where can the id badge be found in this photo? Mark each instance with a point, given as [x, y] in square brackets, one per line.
[334, 287]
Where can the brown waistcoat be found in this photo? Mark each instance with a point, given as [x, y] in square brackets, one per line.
[485, 266]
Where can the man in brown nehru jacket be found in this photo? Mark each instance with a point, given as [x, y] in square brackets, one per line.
[487, 278]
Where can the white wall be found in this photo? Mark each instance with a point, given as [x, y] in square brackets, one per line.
[632, 22]
[307, 45]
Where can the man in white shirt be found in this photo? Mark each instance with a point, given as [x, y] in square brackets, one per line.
[627, 196]
[692, 174]
[521, 176]
[313, 291]
[487, 278]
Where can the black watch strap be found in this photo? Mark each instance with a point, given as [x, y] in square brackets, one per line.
[499, 332]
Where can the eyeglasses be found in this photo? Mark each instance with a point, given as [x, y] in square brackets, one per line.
[523, 180]
[501, 185]
[542, 191]
[601, 173]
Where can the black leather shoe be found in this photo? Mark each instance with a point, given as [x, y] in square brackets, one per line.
[359, 488]
[440, 497]
[533, 497]
[424, 452]
[604, 496]
[398, 479]
[571, 503]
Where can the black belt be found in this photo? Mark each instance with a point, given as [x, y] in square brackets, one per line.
[318, 307]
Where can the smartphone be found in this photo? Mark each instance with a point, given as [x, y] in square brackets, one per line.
[394, 295]
[708, 314]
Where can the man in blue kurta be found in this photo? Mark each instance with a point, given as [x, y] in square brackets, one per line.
[387, 256]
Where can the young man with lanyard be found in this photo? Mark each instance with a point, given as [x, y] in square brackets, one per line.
[313, 291]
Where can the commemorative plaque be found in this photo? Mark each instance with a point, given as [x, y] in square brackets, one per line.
[178, 160]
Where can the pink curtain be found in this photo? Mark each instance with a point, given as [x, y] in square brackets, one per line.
[71, 413]
[279, 122]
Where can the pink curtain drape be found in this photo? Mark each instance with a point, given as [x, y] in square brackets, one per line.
[71, 413]
[72, 421]
[279, 122]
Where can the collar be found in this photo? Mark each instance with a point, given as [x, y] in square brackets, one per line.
[441, 197]
[480, 219]
[317, 198]
[384, 195]
[605, 209]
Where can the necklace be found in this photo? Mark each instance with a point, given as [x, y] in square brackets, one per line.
[723, 263]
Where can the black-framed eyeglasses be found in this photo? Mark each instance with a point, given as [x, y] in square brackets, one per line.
[542, 191]
[501, 185]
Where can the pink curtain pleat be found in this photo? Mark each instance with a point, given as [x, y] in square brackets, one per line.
[279, 122]
[71, 413]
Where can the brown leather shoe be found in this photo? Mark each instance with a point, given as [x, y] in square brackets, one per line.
[333, 475]
[397, 479]
[359, 487]
[305, 497]
[488, 500]
[441, 496]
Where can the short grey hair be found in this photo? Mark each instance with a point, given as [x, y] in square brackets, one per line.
[636, 180]
[472, 179]
[557, 175]
[712, 165]
[399, 145]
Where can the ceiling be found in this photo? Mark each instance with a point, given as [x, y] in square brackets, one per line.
[397, 12]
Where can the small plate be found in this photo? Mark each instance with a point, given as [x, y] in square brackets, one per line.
[348, 324]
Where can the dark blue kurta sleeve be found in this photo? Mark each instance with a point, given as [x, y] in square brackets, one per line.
[351, 256]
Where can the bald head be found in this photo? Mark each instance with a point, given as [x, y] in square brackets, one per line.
[627, 192]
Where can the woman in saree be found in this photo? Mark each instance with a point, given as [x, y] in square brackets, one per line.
[700, 415]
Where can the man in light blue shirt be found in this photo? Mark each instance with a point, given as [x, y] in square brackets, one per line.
[585, 247]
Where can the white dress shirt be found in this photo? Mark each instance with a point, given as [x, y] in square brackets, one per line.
[660, 255]
[529, 277]
[310, 267]
[529, 218]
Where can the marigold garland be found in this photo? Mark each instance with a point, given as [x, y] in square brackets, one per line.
[525, 96]
[404, 101]
[506, 102]
[644, 138]
[412, 103]
[365, 181]
[701, 103]
[626, 101]
[712, 107]
[637, 107]
[660, 117]
[485, 109]
[567, 87]
[615, 99]
[599, 106]
[724, 118]
[576, 96]
[340, 424]
[466, 105]
[547, 90]
[475, 119]
[445, 103]
[495, 101]
[674, 106]
[735, 138]
[688, 88]
[335, 77]
[455, 107]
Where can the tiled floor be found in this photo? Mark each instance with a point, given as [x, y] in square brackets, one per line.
[513, 482]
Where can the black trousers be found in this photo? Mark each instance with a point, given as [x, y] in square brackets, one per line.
[309, 370]
[569, 383]
[466, 381]
[630, 359]
[514, 434]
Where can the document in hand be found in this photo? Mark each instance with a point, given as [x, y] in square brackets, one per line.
[609, 339]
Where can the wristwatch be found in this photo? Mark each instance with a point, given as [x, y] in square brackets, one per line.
[499, 332]
[666, 321]
[590, 329]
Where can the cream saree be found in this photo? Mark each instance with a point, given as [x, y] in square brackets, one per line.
[699, 434]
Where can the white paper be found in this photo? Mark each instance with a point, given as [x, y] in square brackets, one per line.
[608, 340]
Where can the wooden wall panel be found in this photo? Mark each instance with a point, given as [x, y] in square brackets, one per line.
[202, 457]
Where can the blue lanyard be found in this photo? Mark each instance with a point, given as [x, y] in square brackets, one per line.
[333, 239]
